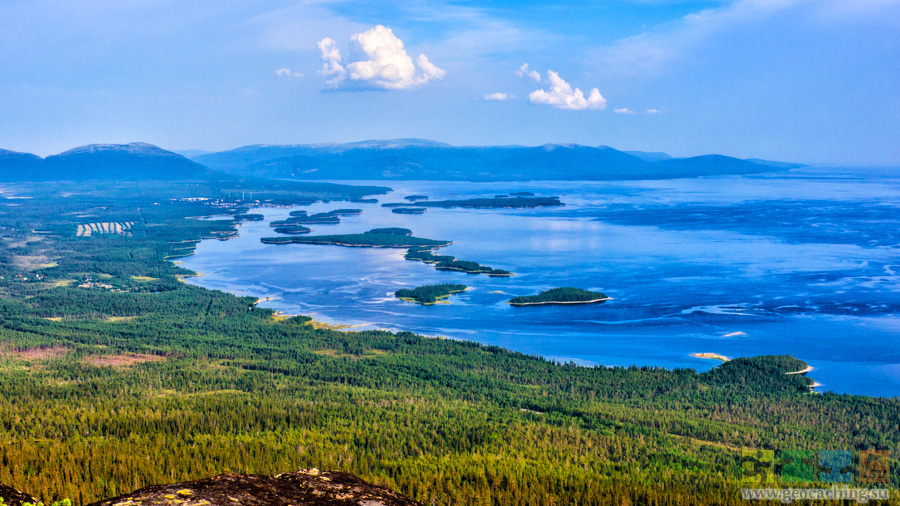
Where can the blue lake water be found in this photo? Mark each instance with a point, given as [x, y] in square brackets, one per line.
[805, 263]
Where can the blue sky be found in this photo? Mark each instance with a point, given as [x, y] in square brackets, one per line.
[801, 80]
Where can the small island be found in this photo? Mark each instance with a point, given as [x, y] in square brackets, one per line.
[249, 217]
[344, 212]
[303, 218]
[413, 198]
[408, 210]
[429, 294]
[376, 238]
[292, 229]
[522, 194]
[364, 201]
[565, 295]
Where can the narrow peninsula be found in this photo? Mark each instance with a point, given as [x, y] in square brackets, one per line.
[484, 203]
[418, 249]
[376, 238]
[450, 263]
[408, 210]
[429, 294]
[565, 295]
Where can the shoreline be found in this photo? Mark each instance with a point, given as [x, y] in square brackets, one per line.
[348, 245]
[802, 371]
[330, 326]
[546, 303]
[711, 356]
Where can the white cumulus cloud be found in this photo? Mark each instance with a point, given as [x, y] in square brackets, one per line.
[623, 110]
[286, 72]
[525, 72]
[387, 65]
[653, 111]
[331, 58]
[562, 96]
[499, 96]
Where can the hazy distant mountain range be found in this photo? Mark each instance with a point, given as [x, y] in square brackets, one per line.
[134, 161]
[423, 159]
[379, 160]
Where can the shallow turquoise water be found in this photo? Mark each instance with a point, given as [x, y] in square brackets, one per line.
[805, 263]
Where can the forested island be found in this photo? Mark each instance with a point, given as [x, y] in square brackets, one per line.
[565, 295]
[484, 203]
[408, 210]
[249, 217]
[303, 218]
[450, 263]
[375, 238]
[293, 224]
[413, 198]
[292, 229]
[429, 294]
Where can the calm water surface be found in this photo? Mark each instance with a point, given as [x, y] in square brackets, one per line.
[805, 263]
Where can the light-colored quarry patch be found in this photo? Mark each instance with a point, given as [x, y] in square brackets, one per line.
[103, 227]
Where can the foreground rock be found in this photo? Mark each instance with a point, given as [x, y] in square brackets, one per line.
[12, 497]
[305, 487]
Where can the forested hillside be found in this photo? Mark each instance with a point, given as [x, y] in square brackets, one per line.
[114, 375]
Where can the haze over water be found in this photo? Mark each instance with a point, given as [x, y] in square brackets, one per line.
[805, 263]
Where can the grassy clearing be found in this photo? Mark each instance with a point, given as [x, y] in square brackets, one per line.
[33, 262]
[119, 319]
[144, 278]
[125, 360]
[338, 354]
[36, 354]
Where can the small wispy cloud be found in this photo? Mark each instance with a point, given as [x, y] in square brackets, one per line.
[623, 110]
[525, 72]
[286, 72]
[388, 66]
[499, 96]
[654, 111]
[563, 96]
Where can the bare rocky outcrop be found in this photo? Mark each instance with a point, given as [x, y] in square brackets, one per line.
[304, 487]
[12, 497]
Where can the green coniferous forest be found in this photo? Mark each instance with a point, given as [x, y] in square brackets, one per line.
[116, 375]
